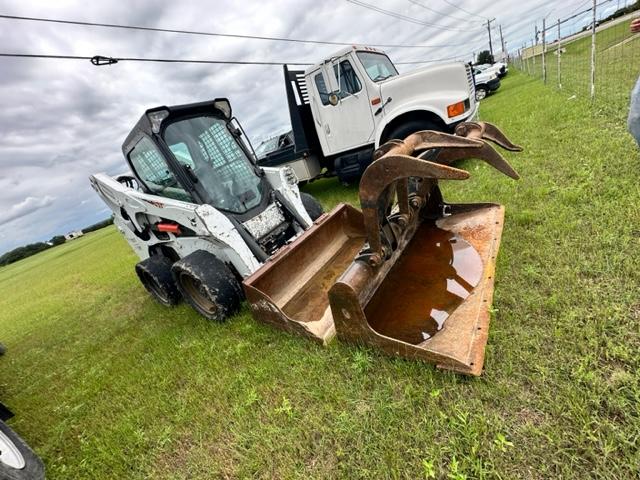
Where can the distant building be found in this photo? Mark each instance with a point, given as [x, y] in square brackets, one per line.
[73, 235]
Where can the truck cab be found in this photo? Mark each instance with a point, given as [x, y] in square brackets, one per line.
[358, 97]
[345, 106]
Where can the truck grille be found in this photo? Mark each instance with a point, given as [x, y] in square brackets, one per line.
[472, 88]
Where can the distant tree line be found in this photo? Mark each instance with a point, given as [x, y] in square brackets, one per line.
[98, 226]
[33, 248]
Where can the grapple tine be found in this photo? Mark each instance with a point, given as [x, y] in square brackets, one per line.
[486, 152]
[487, 131]
[425, 140]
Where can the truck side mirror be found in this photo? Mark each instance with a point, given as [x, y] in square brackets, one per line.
[334, 99]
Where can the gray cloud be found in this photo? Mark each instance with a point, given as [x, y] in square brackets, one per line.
[26, 207]
[61, 120]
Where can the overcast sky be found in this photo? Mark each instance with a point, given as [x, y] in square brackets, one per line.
[62, 120]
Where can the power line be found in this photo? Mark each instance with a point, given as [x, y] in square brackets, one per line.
[415, 2]
[100, 60]
[210, 34]
[463, 10]
[404, 17]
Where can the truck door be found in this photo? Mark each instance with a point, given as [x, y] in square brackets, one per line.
[349, 124]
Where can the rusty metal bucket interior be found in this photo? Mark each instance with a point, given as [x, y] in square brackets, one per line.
[290, 291]
[409, 274]
[433, 302]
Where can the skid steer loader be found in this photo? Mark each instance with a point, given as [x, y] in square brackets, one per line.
[409, 274]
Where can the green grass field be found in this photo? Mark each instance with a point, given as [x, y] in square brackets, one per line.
[106, 384]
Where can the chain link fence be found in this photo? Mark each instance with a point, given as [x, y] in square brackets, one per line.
[592, 54]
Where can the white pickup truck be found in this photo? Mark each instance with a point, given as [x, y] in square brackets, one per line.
[344, 107]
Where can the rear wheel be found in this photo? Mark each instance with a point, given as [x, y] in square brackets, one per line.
[208, 285]
[17, 460]
[311, 205]
[481, 93]
[155, 274]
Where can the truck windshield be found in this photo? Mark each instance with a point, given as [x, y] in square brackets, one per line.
[377, 65]
[205, 145]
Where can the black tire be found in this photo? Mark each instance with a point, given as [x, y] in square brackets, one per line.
[311, 205]
[481, 93]
[404, 130]
[3, 349]
[33, 467]
[208, 285]
[155, 274]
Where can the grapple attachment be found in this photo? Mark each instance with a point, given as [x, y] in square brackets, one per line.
[410, 274]
[422, 286]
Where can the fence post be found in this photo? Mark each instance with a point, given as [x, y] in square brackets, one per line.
[544, 51]
[520, 59]
[593, 52]
[559, 53]
[533, 57]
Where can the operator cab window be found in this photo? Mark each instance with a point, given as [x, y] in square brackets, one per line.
[205, 145]
[152, 169]
[349, 81]
[322, 89]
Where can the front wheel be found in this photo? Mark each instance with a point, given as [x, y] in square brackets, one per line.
[311, 205]
[481, 93]
[17, 460]
[208, 285]
[404, 130]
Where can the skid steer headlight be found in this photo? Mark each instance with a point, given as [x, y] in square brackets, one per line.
[290, 176]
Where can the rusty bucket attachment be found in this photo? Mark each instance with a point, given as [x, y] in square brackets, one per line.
[423, 285]
[290, 290]
[410, 274]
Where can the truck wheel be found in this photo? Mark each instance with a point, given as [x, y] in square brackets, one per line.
[311, 205]
[17, 460]
[155, 274]
[481, 93]
[208, 285]
[404, 130]
[3, 349]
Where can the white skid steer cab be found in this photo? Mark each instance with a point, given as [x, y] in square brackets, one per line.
[409, 273]
[197, 210]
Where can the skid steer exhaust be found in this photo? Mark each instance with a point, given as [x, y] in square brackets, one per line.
[410, 274]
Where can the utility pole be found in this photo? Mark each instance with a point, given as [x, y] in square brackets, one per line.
[489, 30]
[504, 53]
